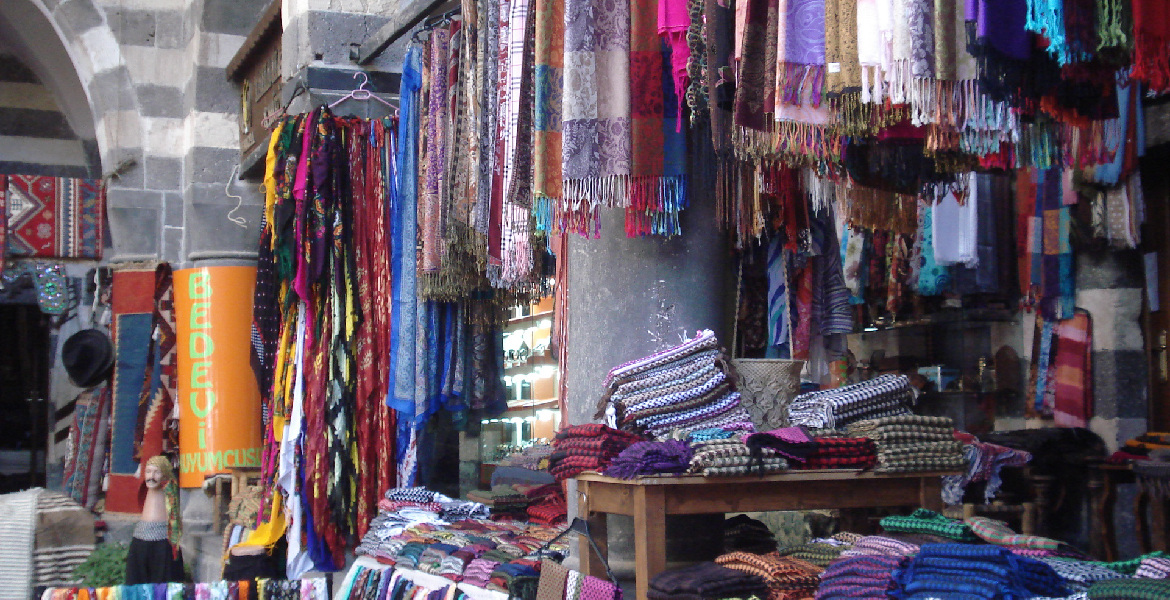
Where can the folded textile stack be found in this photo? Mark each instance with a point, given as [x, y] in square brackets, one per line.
[820, 553]
[745, 534]
[1153, 568]
[913, 443]
[984, 464]
[997, 532]
[505, 576]
[705, 581]
[1078, 575]
[880, 545]
[479, 571]
[1130, 566]
[552, 510]
[650, 458]
[840, 453]
[733, 457]
[928, 521]
[588, 447]
[867, 576]
[682, 389]
[974, 571]
[787, 578]
[501, 499]
[1130, 589]
[881, 396]
[792, 443]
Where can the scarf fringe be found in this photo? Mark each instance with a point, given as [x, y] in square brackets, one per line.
[655, 204]
[1151, 62]
[794, 78]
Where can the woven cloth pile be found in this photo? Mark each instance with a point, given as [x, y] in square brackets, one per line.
[1130, 589]
[651, 458]
[974, 571]
[1153, 568]
[787, 578]
[913, 443]
[821, 552]
[733, 457]
[588, 447]
[745, 534]
[930, 522]
[1080, 575]
[682, 389]
[866, 576]
[880, 545]
[882, 396]
[706, 581]
[840, 453]
[548, 504]
[504, 501]
[997, 532]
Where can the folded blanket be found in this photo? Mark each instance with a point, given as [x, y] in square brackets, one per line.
[928, 521]
[648, 458]
[1130, 589]
[703, 581]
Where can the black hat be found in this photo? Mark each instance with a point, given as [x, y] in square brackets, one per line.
[88, 357]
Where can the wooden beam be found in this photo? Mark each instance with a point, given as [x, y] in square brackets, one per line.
[399, 25]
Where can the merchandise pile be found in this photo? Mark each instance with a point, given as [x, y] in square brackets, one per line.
[706, 580]
[732, 456]
[504, 501]
[939, 570]
[985, 462]
[677, 391]
[882, 396]
[929, 522]
[840, 453]
[548, 504]
[534, 457]
[743, 533]
[913, 443]
[589, 447]
[787, 578]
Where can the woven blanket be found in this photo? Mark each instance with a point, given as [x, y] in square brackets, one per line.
[998, 532]
[877, 545]
[705, 580]
[858, 577]
[894, 451]
[647, 458]
[1130, 589]
[64, 539]
[837, 462]
[666, 374]
[818, 554]
[928, 521]
[703, 340]
[989, 572]
[922, 463]
[1079, 574]
[777, 571]
[914, 423]
[594, 430]
[17, 539]
[831, 409]
[1154, 568]
[54, 217]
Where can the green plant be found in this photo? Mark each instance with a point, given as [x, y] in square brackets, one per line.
[106, 566]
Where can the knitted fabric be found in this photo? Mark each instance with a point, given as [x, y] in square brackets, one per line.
[791, 442]
[1079, 574]
[928, 521]
[743, 533]
[835, 408]
[858, 577]
[705, 580]
[778, 572]
[998, 532]
[648, 458]
[1130, 589]
[877, 545]
[813, 553]
[972, 571]
[1153, 568]
[1129, 567]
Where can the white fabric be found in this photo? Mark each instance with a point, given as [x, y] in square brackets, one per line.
[956, 228]
[17, 535]
[297, 562]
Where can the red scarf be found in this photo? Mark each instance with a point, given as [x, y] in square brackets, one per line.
[1151, 55]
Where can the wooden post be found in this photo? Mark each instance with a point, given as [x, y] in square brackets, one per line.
[649, 536]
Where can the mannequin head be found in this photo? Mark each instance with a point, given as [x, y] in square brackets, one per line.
[157, 472]
[154, 477]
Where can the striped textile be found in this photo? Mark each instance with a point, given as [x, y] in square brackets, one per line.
[17, 536]
[998, 532]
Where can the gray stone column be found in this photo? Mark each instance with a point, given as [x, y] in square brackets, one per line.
[617, 286]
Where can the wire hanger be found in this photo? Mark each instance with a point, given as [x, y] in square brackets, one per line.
[433, 23]
[361, 93]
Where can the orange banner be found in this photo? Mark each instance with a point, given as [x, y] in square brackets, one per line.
[219, 402]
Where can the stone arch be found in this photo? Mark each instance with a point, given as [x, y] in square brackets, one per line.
[96, 71]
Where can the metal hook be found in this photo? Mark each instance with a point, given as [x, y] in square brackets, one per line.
[365, 80]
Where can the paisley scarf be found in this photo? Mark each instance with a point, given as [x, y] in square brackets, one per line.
[548, 76]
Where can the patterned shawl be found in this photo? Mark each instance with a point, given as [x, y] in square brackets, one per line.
[802, 44]
[1151, 29]
[842, 67]
[549, 70]
[436, 154]
[595, 133]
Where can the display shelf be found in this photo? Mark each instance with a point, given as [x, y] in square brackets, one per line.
[973, 316]
[531, 317]
[531, 363]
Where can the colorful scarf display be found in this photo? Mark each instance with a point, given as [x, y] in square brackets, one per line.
[53, 217]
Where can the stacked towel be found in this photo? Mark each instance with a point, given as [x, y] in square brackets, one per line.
[705, 581]
[682, 389]
[745, 534]
[884, 395]
[1130, 589]
[878, 545]
[1154, 568]
[733, 457]
[974, 571]
[867, 576]
[840, 453]
[588, 447]
[787, 578]
[913, 443]
[651, 458]
[928, 521]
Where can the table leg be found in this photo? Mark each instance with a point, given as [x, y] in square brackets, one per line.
[1140, 503]
[591, 564]
[930, 493]
[649, 536]
[1158, 523]
[1105, 502]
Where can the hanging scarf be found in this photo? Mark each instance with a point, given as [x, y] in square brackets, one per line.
[697, 84]
[842, 68]
[431, 198]
[801, 69]
[171, 494]
[596, 111]
[1074, 373]
[549, 74]
[516, 250]
[750, 94]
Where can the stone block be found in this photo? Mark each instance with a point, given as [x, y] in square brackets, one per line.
[131, 198]
[121, 136]
[1116, 317]
[113, 91]
[172, 245]
[93, 156]
[215, 130]
[1119, 383]
[330, 34]
[164, 173]
[214, 93]
[164, 137]
[217, 49]
[103, 50]
[210, 165]
[134, 231]
[232, 16]
[35, 123]
[173, 206]
[132, 27]
[158, 66]
[213, 194]
[161, 101]
[1109, 269]
[132, 176]
[171, 30]
[78, 15]
[208, 228]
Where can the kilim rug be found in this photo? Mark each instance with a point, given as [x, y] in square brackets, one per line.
[54, 217]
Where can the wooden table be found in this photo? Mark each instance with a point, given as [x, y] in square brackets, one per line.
[650, 499]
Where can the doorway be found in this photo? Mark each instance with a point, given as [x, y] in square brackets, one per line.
[24, 393]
